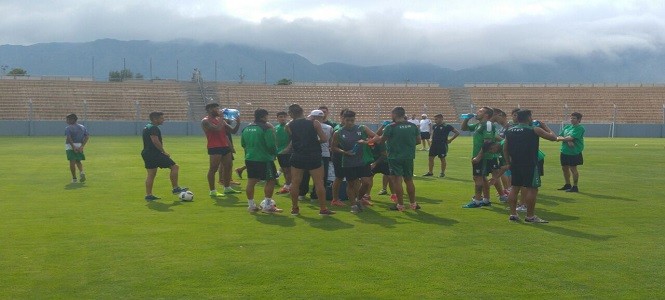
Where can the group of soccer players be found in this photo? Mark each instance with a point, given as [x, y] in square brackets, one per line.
[306, 145]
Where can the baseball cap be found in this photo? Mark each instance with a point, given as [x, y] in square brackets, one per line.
[424, 115]
[316, 113]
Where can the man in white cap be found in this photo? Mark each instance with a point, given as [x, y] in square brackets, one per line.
[318, 115]
[425, 129]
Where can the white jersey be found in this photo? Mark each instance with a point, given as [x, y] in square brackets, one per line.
[325, 147]
[425, 124]
[415, 122]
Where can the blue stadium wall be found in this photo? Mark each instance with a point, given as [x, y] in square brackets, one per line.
[115, 128]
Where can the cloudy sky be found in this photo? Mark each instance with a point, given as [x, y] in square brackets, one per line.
[448, 33]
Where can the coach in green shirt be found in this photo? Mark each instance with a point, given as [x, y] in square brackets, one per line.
[258, 139]
[572, 138]
[401, 138]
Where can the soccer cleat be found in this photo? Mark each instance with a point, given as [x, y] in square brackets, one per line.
[272, 209]
[216, 194]
[74, 180]
[252, 208]
[514, 218]
[472, 204]
[428, 174]
[283, 190]
[383, 192]
[503, 198]
[393, 198]
[326, 212]
[177, 190]
[564, 187]
[397, 207]
[151, 198]
[366, 200]
[441, 175]
[295, 211]
[230, 191]
[415, 206]
[521, 208]
[239, 172]
[573, 189]
[483, 203]
[356, 209]
[82, 180]
[237, 184]
[336, 202]
[534, 220]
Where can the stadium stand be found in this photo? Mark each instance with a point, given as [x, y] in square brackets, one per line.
[641, 104]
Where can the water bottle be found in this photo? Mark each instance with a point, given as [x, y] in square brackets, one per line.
[535, 123]
[467, 116]
[231, 114]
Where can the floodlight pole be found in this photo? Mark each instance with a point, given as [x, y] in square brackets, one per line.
[614, 120]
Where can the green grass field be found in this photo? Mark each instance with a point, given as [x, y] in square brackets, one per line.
[101, 240]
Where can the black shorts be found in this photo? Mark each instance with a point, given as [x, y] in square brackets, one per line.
[305, 164]
[219, 151]
[381, 168]
[424, 135]
[525, 176]
[353, 173]
[261, 170]
[485, 167]
[571, 160]
[439, 149]
[156, 160]
[284, 160]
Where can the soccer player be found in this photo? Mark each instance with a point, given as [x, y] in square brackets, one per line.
[440, 141]
[76, 136]
[521, 155]
[337, 167]
[306, 137]
[572, 138]
[501, 119]
[414, 121]
[401, 138]
[219, 149]
[380, 165]
[258, 140]
[349, 141]
[318, 115]
[483, 131]
[154, 156]
[283, 151]
[425, 130]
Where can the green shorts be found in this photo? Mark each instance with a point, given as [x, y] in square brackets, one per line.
[72, 155]
[401, 167]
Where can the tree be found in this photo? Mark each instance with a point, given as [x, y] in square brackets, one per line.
[17, 72]
[117, 76]
[285, 81]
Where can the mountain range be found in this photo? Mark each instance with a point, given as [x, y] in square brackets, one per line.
[231, 62]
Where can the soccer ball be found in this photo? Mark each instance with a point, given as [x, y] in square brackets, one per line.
[267, 204]
[186, 196]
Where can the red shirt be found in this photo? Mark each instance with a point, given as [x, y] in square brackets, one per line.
[216, 139]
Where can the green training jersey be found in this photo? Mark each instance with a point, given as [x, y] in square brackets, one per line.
[281, 137]
[577, 132]
[401, 140]
[259, 142]
[483, 131]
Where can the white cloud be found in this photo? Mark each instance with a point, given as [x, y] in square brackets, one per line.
[451, 33]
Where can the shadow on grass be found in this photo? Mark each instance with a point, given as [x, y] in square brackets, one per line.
[572, 233]
[74, 186]
[549, 200]
[546, 214]
[371, 216]
[606, 197]
[427, 218]
[424, 200]
[327, 223]
[162, 207]
[226, 201]
[457, 179]
[281, 219]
